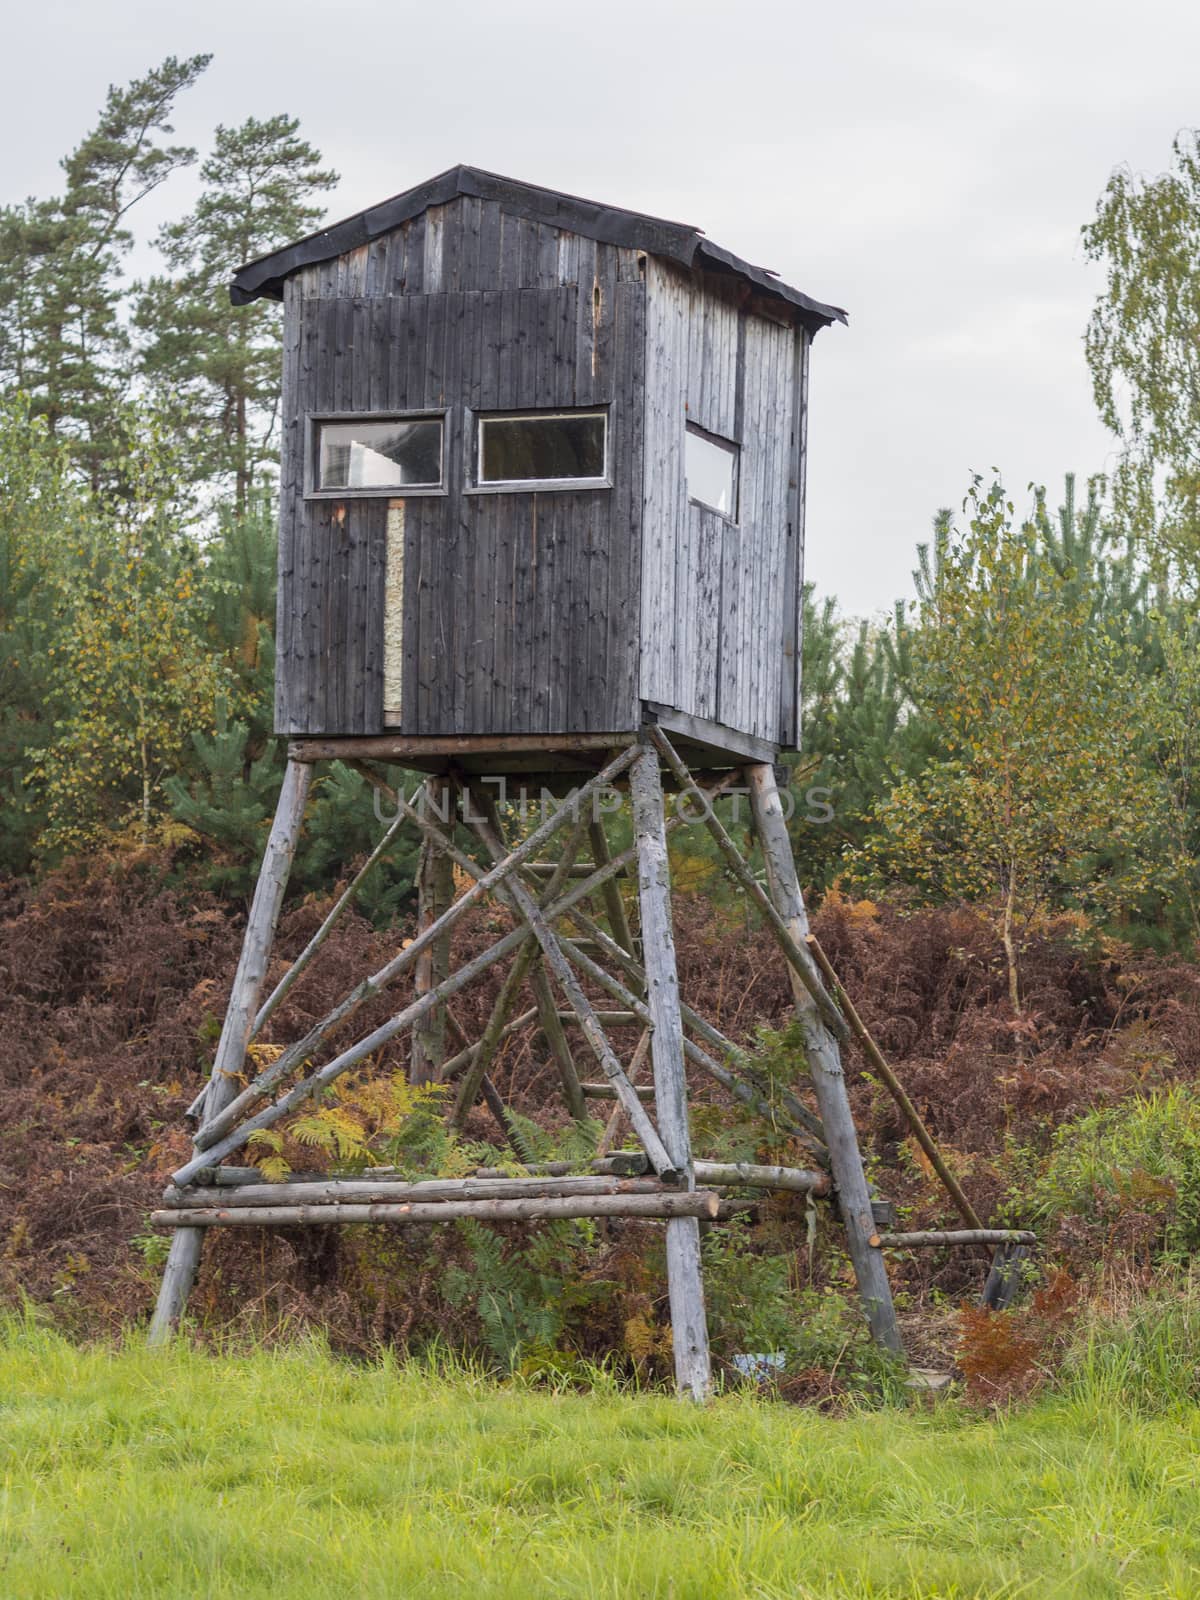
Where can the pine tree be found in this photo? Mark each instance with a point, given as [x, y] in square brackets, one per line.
[42, 511]
[219, 364]
[62, 338]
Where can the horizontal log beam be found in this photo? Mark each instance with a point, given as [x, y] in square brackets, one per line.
[605, 1091]
[624, 1163]
[215, 1183]
[698, 1203]
[397, 747]
[734, 1174]
[371, 1191]
[953, 1236]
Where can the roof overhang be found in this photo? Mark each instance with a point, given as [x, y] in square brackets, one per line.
[673, 241]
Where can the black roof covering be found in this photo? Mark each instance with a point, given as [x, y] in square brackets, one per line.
[675, 241]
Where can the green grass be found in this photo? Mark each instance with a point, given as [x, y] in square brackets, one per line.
[290, 1474]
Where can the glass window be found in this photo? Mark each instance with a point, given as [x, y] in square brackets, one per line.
[711, 466]
[387, 453]
[552, 447]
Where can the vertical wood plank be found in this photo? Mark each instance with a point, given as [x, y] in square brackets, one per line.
[791, 688]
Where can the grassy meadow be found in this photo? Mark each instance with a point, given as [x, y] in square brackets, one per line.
[126, 1472]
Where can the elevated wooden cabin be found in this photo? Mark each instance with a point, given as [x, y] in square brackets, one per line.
[542, 478]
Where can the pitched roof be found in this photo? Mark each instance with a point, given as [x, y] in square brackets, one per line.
[675, 241]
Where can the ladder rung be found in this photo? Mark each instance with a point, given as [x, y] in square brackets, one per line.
[607, 1019]
[545, 869]
[605, 1091]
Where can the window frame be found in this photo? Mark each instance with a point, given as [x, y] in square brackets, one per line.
[477, 484]
[733, 448]
[316, 420]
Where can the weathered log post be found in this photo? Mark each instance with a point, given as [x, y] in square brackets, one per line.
[435, 894]
[825, 1067]
[689, 1326]
[244, 999]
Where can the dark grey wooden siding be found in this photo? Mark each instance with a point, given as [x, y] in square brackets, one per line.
[717, 595]
[520, 610]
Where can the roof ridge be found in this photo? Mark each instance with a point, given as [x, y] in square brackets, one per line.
[680, 242]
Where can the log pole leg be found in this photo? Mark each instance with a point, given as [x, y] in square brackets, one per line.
[689, 1326]
[825, 1066]
[556, 1037]
[435, 895]
[614, 906]
[248, 984]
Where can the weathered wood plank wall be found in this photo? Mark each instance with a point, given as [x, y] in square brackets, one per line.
[715, 612]
[520, 610]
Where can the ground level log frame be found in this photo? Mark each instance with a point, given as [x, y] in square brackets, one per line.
[670, 1205]
[372, 1191]
[620, 1174]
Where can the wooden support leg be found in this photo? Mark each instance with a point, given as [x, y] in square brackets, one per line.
[435, 895]
[689, 1327]
[248, 984]
[614, 906]
[556, 1037]
[493, 1036]
[825, 1065]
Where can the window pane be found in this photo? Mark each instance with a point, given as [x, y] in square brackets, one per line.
[517, 449]
[711, 473]
[381, 455]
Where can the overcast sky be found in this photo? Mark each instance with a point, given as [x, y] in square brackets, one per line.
[925, 163]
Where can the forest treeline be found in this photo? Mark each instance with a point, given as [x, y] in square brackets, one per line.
[1021, 736]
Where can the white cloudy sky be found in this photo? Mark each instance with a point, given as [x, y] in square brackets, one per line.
[925, 163]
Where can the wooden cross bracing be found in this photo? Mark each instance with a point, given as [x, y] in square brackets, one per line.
[556, 945]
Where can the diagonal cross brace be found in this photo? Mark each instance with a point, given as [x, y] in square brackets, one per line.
[304, 1049]
[639, 1118]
